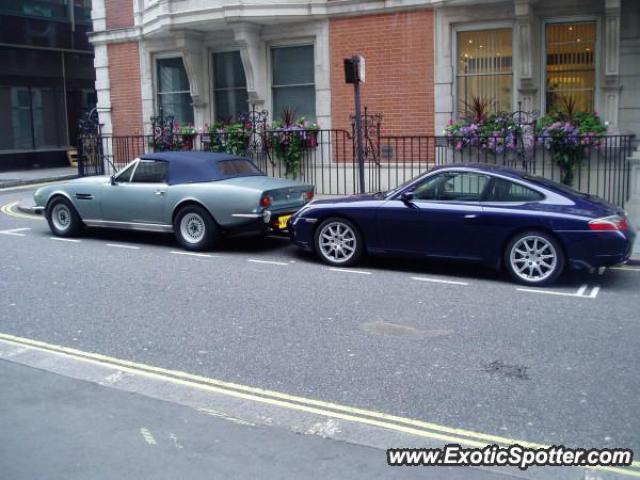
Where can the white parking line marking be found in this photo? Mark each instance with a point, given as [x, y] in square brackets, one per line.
[193, 254]
[73, 240]
[601, 270]
[270, 262]
[436, 280]
[119, 245]
[581, 293]
[14, 231]
[346, 270]
[594, 292]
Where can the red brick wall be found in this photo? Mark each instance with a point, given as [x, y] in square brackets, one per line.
[398, 48]
[124, 77]
[119, 13]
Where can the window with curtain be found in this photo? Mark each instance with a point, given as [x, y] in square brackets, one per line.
[570, 67]
[229, 86]
[293, 81]
[174, 96]
[485, 69]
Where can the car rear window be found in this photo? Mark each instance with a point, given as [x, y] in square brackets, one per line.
[506, 191]
[238, 168]
[545, 182]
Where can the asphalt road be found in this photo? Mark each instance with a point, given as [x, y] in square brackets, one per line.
[61, 428]
[454, 345]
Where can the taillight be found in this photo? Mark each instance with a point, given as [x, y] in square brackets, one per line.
[309, 195]
[614, 222]
[265, 202]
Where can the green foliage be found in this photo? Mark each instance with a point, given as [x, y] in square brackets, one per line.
[229, 137]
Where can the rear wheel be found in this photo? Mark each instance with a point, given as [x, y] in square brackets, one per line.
[194, 228]
[534, 258]
[63, 218]
[338, 242]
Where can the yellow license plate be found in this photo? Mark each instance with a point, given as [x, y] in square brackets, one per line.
[282, 222]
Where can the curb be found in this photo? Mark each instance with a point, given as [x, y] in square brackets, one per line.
[28, 210]
[20, 183]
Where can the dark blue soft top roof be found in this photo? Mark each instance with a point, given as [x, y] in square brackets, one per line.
[192, 167]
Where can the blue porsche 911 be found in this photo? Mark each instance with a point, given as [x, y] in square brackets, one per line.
[504, 218]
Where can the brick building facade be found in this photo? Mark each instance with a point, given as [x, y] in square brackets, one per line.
[425, 59]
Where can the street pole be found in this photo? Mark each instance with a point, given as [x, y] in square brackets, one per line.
[358, 122]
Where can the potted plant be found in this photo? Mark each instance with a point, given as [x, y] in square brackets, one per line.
[229, 136]
[570, 136]
[290, 138]
[187, 132]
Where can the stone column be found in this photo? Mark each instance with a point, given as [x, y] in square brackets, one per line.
[527, 86]
[254, 60]
[633, 205]
[191, 45]
[611, 59]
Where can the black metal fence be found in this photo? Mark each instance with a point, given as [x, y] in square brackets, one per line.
[326, 158]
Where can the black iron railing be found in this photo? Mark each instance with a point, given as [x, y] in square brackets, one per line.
[326, 158]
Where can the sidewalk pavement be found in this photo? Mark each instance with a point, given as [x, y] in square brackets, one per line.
[36, 175]
[58, 427]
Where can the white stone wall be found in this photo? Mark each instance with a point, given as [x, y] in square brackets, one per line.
[616, 63]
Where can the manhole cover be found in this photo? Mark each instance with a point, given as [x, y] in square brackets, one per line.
[398, 330]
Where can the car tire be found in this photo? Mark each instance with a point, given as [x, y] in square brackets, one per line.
[194, 228]
[534, 258]
[63, 218]
[338, 242]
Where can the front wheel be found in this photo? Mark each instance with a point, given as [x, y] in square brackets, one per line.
[534, 258]
[63, 218]
[338, 242]
[194, 228]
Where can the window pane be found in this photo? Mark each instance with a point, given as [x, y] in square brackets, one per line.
[48, 117]
[452, 187]
[505, 191]
[124, 175]
[485, 68]
[228, 70]
[150, 172]
[15, 118]
[292, 65]
[172, 76]
[570, 64]
[178, 105]
[231, 103]
[301, 99]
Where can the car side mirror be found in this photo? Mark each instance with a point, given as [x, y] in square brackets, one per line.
[113, 180]
[407, 197]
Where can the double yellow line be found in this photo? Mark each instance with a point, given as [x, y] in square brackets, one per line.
[8, 209]
[301, 404]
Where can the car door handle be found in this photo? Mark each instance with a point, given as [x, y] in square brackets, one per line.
[471, 215]
[159, 192]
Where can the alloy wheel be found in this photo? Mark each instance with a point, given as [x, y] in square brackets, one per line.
[533, 259]
[61, 217]
[337, 242]
[192, 228]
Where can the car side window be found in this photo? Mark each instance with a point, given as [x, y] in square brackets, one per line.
[151, 171]
[124, 176]
[506, 191]
[452, 186]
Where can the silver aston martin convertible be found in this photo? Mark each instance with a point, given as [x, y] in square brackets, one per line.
[197, 195]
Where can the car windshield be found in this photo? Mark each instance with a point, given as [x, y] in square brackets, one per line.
[238, 168]
[545, 182]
